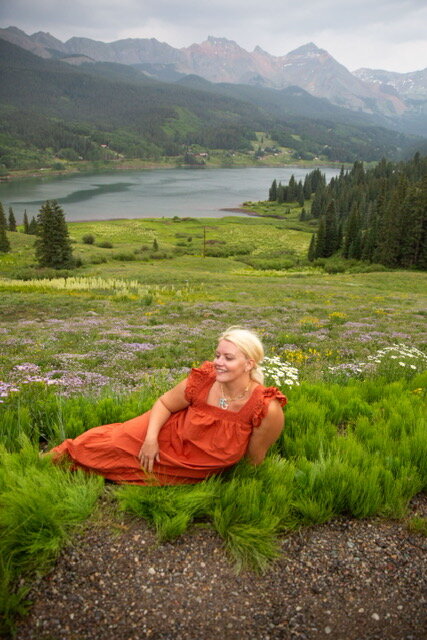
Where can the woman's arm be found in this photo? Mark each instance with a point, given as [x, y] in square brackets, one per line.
[268, 431]
[170, 402]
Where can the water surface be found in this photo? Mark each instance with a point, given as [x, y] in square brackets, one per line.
[152, 193]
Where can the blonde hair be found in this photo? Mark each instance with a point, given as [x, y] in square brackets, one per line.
[250, 345]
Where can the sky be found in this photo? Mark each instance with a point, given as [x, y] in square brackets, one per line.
[378, 34]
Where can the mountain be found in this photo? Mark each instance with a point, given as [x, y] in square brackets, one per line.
[412, 86]
[104, 110]
[316, 71]
[222, 60]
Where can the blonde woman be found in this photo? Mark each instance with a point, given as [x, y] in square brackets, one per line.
[220, 413]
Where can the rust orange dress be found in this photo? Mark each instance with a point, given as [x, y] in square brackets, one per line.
[196, 442]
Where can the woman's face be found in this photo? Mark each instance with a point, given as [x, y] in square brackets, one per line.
[230, 363]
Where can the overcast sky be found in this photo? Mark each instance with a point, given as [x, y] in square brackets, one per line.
[379, 34]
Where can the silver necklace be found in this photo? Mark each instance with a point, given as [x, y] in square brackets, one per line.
[225, 400]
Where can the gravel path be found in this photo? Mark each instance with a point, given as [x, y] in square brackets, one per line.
[352, 580]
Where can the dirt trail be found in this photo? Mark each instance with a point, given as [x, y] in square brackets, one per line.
[353, 580]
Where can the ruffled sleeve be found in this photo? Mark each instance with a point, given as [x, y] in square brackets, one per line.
[199, 377]
[261, 407]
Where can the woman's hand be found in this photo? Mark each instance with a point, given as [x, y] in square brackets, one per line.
[149, 453]
[170, 402]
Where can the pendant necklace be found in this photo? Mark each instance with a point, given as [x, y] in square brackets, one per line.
[225, 401]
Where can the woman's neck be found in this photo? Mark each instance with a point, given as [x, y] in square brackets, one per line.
[236, 386]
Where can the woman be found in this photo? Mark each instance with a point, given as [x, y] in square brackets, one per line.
[202, 426]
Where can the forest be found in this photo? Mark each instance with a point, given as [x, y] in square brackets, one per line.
[377, 214]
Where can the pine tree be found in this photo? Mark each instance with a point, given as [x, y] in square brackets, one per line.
[318, 180]
[389, 249]
[4, 242]
[353, 235]
[414, 235]
[300, 194]
[25, 223]
[331, 231]
[12, 220]
[308, 190]
[53, 247]
[319, 251]
[312, 248]
[272, 194]
[292, 190]
[32, 227]
[320, 202]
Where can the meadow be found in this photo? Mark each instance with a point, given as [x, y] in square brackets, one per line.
[99, 344]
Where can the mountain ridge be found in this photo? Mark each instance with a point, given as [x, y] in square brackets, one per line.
[218, 60]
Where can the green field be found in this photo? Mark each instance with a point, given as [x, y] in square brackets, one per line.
[98, 344]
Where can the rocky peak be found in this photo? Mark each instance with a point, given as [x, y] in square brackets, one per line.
[47, 40]
[19, 38]
[309, 50]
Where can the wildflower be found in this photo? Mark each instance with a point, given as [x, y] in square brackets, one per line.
[280, 372]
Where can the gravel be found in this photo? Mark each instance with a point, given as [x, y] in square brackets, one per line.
[349, 579]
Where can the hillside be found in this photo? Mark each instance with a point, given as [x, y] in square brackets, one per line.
[106, 111]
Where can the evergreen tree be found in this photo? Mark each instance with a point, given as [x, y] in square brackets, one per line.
[300, 194]
[292, 190]
[353, 235]
[32, 227]
[319, 251]
[280, 193]
[320, 202]
[25, 223]
[389, 249]
[12, 220]
[272, 194]
[312, 248]
[308, 190]
[331, 231]
[318, 180]
[53, 247]
[415, 228]
[4, 242]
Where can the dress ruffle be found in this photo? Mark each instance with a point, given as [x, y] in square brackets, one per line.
[261, 406]
[198, 378]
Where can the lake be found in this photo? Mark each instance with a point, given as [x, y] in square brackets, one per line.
[152, 193]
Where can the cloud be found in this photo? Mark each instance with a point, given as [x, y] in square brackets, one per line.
[382, 34]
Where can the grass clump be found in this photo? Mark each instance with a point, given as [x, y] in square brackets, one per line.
[40, 508]
[417, 524]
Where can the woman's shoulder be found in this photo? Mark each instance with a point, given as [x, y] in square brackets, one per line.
[273, 393]
[198, 378]
[264, 398]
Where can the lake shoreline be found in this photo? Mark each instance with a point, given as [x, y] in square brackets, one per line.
[128, 194]
[72, 170]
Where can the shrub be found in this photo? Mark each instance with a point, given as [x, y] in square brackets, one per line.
[105, 245]
[98, 259]
[88, 238]
[124, 257]
[268, 263]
